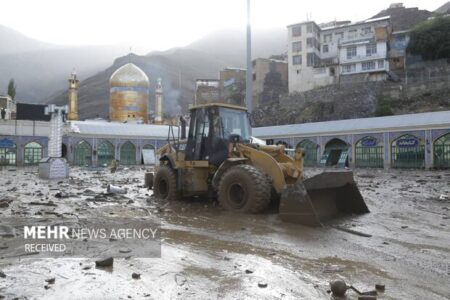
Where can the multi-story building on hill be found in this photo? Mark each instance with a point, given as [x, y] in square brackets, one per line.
[329, 53]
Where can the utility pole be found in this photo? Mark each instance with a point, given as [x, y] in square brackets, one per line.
[249, 74]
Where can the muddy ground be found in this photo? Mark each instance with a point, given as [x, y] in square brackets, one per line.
[208, 253]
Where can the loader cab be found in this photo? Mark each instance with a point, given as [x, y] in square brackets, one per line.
[211, 130]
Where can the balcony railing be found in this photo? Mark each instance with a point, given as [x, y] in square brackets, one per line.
[363, 57]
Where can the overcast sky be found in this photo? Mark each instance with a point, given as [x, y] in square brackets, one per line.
[161, 24]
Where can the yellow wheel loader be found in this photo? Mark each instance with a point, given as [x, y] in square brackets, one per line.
[219, 157]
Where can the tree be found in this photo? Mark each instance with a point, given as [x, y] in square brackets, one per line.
[11, 89]
[383, 107]
[431, 39]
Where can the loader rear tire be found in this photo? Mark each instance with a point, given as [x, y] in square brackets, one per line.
[165, 184]
[243, 188]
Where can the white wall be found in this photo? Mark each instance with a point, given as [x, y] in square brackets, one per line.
[24, 128]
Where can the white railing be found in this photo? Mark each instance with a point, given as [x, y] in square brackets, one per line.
[345, 58]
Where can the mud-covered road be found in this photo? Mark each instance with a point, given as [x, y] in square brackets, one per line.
[208, 253]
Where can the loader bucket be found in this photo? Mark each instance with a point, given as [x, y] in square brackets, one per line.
[320, 198]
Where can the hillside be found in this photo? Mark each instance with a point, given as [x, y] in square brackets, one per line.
[19, 43]
[444, 9]
[230, 44]
[40, 70]
[354, 100]
[404, 18]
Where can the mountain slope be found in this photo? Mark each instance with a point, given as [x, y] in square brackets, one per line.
[230, 44]
[404, 18]
[16, 42]
[444, 9]
[40, 70]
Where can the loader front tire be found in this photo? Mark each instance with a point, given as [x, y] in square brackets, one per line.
[165, 184]
[243, 188]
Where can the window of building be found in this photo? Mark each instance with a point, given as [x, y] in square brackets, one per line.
[348, 68]
[332, 72]
[339, 35]
[309, 28]
[325, 48]
[352, 33]
[400, 38]
[296, 46]
[312, 42]
[32, 153]
[351, 52]
[297, 31]
[312, 60]
[297, 60]
[366, 30]
[380, 64]
[254, 76]
[368, 65]
[371, 49]
[327, 38]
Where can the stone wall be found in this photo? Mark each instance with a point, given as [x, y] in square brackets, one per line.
[423, 88]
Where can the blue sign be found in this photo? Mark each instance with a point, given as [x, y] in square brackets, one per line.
[5, 143]
[369, 142]
[137, 89]
[131, 108]
[409, 142]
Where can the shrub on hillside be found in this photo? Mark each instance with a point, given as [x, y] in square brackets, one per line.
[431, 39]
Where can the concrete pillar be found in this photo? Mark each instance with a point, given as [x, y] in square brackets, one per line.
[19, 150]
[94, 151]
[387, 150]
[69, 149]
[321, 149]
[138, 152]
[116, 149]
[428, 149]
[351, 153]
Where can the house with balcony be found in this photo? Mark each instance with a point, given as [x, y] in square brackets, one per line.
[335, 52]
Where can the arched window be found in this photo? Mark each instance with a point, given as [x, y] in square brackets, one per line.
[8, 152]
[32, 153]
[408, 151]
[82, 154]
[441, 150]
[369, 153]
[310, 150]
[128, 154]
[105, 153]
[335, 153]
